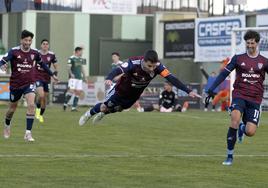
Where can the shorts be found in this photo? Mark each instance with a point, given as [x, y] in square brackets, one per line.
[43, 84]
[15, 94]
[250, 110]
[75, 84]
[116, 103]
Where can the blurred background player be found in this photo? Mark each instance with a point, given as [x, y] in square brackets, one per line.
[167, 98]
[77, 75]
[22, 81]
[247, 93]
[43, 79]
[138, 72]
[210, 79]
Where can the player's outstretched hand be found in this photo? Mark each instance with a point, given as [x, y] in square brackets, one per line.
[194, 95]
[4, 67]
[209, 96]
[108, 82]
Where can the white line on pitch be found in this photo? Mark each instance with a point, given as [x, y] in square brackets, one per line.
[120, 156]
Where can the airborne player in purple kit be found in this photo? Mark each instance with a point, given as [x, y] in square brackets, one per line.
[137, 74]
[43, 79]
[23, 60]
[248, 91]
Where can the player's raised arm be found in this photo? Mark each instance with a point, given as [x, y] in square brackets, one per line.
[224, 73]
[6, 58]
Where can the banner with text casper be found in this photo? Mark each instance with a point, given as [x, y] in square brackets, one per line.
[213, 37]
[109, 6]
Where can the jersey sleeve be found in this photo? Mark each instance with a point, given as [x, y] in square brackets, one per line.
[126, 66]
[7, 57]
[162, 70]
[54, 59]
[70, 60]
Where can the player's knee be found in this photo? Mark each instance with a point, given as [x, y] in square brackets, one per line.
[250, 133]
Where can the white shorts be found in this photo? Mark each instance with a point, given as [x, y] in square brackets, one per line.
[162, 109]
[75, 84]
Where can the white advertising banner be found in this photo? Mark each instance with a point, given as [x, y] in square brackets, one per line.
[213, 37]
[109, 6]
[93, 93]
[262, 21]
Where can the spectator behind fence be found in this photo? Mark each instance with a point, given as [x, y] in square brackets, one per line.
[38, 4]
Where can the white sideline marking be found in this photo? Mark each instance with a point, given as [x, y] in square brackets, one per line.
[120, 156]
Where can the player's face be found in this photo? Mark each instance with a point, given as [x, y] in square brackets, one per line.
[148, 66]
[251, 45]
[115, 58]
[45, 46]
[79, 53]
[167, 87]
[26, 43]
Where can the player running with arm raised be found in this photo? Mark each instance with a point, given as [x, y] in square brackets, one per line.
[248, 91]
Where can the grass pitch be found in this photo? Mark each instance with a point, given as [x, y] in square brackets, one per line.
[131, 149]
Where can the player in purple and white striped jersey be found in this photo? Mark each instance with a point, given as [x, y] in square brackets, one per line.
[138, 72]
[248, 91]
[43, 79]
[23, 62]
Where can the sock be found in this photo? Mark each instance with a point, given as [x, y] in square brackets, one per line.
[42, 111]
[38, 105]
[206, 105]
[95, 109]
[231, 139]
[29, 121]
[213, 107]
[7, 121]
[75, 102]
[67, 98]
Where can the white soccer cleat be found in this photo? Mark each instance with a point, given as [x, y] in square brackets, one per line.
[98, 117]
[84, 118]
[7, 131]
[28, 136]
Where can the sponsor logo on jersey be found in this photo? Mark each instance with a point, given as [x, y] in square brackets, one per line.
[243, 64]
[247, 75]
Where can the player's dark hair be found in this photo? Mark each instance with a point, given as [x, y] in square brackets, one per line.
[251, 34]
[167, 82]
[25, 34]
[116, 53]
[151, 55]
[44, 40]
[78, 48]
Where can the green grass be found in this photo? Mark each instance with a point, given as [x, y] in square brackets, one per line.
[130, 149]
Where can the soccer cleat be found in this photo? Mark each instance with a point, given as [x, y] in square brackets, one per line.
[7, 131]
[84, 118]
[98, 117]
[74, 109]
[240, 133]
[37, 113]
[28, 136]
[41, 119]
[228, 162]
